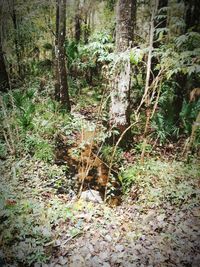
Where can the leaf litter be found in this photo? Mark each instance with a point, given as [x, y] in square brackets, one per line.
[40, 227]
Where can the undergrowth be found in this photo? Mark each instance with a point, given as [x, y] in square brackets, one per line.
[157, 182]
[35, 193]
[31, 210]
[30, 123]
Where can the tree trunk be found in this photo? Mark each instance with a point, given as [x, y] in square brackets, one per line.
[4, 81]
[120, 95]
[180, 92]
[125, 22]
[192, 18]
[61, 85]
[77, 23]
[16, 37]
[56, 59]
[86, 32]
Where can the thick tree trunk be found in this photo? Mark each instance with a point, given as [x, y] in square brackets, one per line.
[125, 22]
[120, 98]
[120, 95]
[61, 85]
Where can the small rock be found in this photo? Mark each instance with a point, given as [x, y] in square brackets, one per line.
[119, 248]
[106, 264]
[91, 195]
[104, 256]
[77, 260]
[95, 261]
[88, 256]
[84, 251]
[91, 248]
[63, 260]
[108, 238]
[149, 217]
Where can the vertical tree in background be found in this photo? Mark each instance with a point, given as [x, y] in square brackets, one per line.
[120, 95]
[147, 100]
[57, 80]
[77, 22]
[61, 85]
[13, 14]
[86, 21]
[4, 81]
[192, 19]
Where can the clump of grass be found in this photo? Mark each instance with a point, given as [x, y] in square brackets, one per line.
[158, 182]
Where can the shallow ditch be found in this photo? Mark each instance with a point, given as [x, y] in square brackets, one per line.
[86, 171]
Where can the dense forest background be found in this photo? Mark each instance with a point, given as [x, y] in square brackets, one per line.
[100, 115]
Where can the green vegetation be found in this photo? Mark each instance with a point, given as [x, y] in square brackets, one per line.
[27, 223]
[91, 105]
[158, 182]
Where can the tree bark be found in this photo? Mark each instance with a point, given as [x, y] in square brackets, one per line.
[77, 23]
[61, 85]
[120, 95]
[4, 79]
[56, 59]
[86, 32]
[125, 23]
[16, 35]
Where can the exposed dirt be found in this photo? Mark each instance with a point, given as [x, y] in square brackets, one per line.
[81, 153]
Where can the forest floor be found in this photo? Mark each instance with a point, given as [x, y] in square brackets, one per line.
[42, 223]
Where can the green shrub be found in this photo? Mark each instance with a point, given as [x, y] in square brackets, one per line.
[163, 123]
[40, 148]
